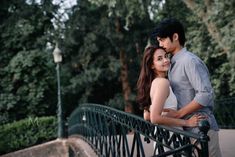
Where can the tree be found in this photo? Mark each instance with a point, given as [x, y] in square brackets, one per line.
[26, 79]
[202, 42]
[120, 31]
[218, 17]
[125, 37]
[103, 42]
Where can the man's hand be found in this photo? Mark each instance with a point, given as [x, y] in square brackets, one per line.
[195, 119]
[171, 113]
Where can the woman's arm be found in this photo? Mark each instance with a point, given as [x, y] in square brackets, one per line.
[159, 93]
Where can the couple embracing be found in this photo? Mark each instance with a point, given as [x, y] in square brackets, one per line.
[174, 84]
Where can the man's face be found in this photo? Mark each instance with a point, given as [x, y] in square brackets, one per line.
[167, 44]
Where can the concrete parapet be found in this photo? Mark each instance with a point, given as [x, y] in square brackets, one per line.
[71, 147]
[76, 147]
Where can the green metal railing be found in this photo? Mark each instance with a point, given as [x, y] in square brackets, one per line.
[113, 133]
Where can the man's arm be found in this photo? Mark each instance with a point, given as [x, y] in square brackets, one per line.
[198, 76]
[193, 106]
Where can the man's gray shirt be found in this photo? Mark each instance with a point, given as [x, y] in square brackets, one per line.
[189, 79]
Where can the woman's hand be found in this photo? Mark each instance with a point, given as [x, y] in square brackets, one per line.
[146, 115]
[194, 120]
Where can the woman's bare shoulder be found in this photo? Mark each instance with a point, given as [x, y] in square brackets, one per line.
[160, 82]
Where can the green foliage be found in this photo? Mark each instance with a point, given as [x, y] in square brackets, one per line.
[91, 41]
[206, 45]
[97, 35]
[25, 133]
[94, 60]
[27, 86]
[222, 15]
[117, 102]
[209, 36]
[221, 81]
[225, 112]
[125, 9]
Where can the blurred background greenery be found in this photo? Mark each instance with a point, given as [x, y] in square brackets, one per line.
[102, 43]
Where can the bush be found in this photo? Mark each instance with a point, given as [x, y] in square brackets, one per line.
[225, 113]
[26, 133]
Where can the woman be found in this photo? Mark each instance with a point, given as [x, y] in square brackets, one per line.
[153, 90]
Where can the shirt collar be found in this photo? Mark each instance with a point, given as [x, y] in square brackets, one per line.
[178, 55]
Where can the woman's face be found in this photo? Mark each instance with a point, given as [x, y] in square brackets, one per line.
[161, 62]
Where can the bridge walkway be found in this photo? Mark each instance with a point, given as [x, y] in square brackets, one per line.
[226, 137]
[62, 148]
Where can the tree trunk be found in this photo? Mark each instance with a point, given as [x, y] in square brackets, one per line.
[204, 14]
[125, 83]
[126, 89]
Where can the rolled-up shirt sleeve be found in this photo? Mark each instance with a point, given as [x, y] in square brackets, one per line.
[198, 76]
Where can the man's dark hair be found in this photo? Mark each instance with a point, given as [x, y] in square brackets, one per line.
[167, 28]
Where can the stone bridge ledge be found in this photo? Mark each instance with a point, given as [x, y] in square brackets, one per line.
[76, 147]
[71, 147]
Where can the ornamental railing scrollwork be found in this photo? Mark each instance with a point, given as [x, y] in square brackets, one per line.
[113, 133]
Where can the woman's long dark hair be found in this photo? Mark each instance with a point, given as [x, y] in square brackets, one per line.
[146, 77]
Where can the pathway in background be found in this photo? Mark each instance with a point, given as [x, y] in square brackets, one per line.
[227, 142]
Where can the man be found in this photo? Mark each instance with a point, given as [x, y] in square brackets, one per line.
[189, 79]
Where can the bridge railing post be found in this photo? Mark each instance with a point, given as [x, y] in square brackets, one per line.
[204, 127]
